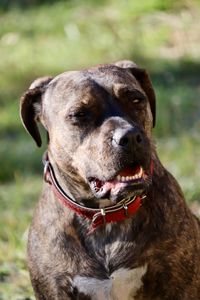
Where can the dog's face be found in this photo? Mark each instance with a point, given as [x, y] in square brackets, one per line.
[99, 124]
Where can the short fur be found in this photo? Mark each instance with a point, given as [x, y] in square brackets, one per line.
[86, 114]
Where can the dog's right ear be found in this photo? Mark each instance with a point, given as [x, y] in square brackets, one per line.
[31, 107]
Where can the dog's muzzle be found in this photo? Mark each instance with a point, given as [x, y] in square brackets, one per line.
[115, 213]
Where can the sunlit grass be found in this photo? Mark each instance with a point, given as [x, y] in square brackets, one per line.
[180, 155]
[17, 201]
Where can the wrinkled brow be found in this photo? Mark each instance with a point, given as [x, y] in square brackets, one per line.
[123, 90]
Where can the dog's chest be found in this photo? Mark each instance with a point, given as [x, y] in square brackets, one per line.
[122, 284]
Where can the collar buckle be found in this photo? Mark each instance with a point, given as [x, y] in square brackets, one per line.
[103, 213]
[46, 172]
[125, 207]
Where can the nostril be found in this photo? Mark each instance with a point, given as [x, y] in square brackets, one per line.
[139, 138]
[124, 141]
[127, 138]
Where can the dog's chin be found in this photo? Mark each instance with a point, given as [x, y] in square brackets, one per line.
[127, 183]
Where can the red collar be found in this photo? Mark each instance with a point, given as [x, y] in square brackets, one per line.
[99, 217]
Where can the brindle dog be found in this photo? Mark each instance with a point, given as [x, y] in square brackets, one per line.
[99, 122]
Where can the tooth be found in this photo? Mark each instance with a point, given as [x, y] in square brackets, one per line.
[118, 177]
[127, 178]
[123, 178]
[141, 172]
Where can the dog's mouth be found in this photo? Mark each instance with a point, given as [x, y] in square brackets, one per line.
[128, 182]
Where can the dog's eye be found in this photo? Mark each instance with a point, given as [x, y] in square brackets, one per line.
[79, 116]
[136, 100]
[135, 97]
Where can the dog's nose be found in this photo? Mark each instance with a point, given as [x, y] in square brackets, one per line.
[127, 138]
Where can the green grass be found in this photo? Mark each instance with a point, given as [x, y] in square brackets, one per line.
[180, 156]
[17, 202]
[51, 38]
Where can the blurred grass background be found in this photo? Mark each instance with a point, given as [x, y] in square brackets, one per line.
[48, 37]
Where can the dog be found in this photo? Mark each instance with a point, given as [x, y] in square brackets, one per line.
[112, 222]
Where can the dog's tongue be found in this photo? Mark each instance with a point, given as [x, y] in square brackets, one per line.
[120, 181]
[113, 186]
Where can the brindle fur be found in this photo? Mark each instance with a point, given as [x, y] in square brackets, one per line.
[163, 234]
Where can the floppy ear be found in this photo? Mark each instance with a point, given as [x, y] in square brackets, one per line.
[143, 78]
[31, 107]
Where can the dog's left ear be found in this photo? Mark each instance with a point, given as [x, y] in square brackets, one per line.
[143, 78]
[31, 107]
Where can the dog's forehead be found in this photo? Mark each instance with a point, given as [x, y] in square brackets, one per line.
[75, 84]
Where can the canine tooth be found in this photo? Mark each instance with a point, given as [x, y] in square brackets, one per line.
[123, 178]
[141, 172]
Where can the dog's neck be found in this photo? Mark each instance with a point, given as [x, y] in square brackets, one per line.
[99, 216]
[67, 180]
[149, 204]
[150, 215]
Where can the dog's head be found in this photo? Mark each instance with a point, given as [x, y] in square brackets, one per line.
[99, 123]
